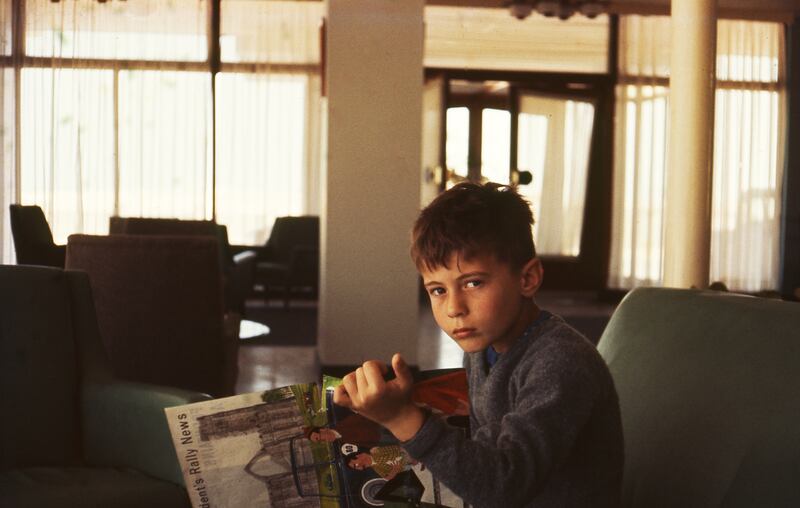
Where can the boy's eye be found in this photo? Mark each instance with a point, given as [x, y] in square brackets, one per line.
[436, 291]
[473, 283]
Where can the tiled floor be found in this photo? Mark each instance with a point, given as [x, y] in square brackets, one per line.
[264, 367]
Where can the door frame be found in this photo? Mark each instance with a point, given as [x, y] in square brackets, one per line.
[589, 270]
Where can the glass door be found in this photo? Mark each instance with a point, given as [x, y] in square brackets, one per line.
[551, 135]
[478, 131]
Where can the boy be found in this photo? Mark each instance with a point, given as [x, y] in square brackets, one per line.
[544, 414]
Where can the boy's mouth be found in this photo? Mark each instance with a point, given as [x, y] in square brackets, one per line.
[463, 333]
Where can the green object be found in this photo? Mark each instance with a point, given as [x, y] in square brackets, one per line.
[708, 386]
[71, 434]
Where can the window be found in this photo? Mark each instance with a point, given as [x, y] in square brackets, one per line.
[748, 153]
[116, 113]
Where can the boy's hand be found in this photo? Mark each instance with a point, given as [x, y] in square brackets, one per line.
[385, 402]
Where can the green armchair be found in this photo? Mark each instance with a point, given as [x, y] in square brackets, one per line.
[70, 434]
[709, 389]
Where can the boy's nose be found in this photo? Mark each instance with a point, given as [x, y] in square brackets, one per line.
[455, 307]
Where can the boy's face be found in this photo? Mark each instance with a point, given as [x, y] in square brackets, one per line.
[323, 434]
[481, 301]
[360, 461]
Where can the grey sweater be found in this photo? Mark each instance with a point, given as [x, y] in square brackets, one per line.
[546, 428]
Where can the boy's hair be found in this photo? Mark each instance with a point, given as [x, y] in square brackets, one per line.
[472, 219]
[353, 455]
[307, 431]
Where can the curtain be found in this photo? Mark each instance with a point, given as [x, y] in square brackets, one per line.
[108, 112]
[748, 153]
[8, 152]
[115, 112]
[554, 135]
[268, 115]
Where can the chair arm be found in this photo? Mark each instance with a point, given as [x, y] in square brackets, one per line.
[244, 272]
[262, 252]
[237, 249]
[245, 256]
[124, 425]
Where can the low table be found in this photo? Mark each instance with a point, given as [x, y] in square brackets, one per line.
[252, 329]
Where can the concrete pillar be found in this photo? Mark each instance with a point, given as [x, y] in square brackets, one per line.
[371, 183]
[687, 219]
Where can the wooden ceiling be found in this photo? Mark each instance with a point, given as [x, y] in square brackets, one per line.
[781, 10]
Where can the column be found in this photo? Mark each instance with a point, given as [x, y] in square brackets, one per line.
[371, 183]
[687, 219]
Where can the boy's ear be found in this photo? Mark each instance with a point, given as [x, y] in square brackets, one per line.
[531, 277]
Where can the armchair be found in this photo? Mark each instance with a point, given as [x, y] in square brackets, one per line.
[33, 240]
[238, 269]
[160, 309]
[289, 262]
[708, 389]
[71, 434]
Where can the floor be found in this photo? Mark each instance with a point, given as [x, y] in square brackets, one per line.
[262, 367]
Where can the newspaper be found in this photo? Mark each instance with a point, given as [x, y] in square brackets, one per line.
[293, 447]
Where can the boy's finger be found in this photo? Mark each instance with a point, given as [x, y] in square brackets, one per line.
[340, 397]
[350, 386]
[401, 370]
[361, 380]
[373, 372]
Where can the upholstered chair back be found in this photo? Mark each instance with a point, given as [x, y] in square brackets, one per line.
[709, 390]
[160, 308]
[39, 375]
[33, 239]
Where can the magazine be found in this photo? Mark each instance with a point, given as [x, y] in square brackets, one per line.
[292, 446]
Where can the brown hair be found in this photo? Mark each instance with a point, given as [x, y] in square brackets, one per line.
[473, 219]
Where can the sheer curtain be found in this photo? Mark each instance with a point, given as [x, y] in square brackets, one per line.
[117, 118]
[748, 153]
[554, 140]
[8, 174]
[113, 113]
[268, 115]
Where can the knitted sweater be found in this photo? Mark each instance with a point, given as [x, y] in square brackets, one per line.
[546, 429]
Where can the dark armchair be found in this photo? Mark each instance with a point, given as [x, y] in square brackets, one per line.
[71, 434]
[289, 262]
[33, 239]
[238, 269]
[160, 309]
